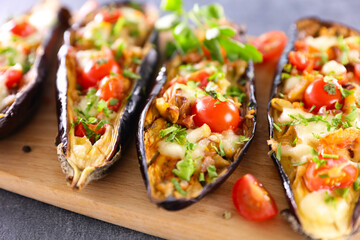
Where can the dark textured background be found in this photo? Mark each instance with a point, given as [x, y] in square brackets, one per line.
[24, 218]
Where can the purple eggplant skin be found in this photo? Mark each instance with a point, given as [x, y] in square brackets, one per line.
[147, 72]
[172, 203]
[310, 26]
[20, 112]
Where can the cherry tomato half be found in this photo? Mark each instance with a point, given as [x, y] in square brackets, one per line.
[12, 77]
[270, 44]
[110, 15]
[220, 116]
[200, 76]
[252, 200]
[336, 173]
[22, 29]
[357, 71]
[95, 70]
[316, 94]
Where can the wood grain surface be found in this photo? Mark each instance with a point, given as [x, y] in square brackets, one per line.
[120, 198]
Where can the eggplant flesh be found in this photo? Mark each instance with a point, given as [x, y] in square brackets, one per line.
[95, 158]
[28, 97]
[151, 122]
[303, 28]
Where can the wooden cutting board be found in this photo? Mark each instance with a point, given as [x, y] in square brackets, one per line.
[120, 198]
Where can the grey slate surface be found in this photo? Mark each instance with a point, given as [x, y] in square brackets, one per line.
[24, 218]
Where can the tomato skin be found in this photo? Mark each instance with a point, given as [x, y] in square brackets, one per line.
[12, 77]
[108, 16]
[200, 76]
[111, 87]
[22, 29]
[315, 94]
[220, 116]
[270, 44]
[357, 71]
[340, 173]
[298, 59]
[95, 71]
[252, 200]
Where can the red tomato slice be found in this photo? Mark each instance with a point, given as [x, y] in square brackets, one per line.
[95, 70]
[220, 116]
[270, 44]
[315, 94]
[110, 15]
[200, 76]
[357, 71]
[12, 77]
[252, 200]
[111, 87]
[337, 173]
[22, 29]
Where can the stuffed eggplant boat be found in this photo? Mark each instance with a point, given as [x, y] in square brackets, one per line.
[27, 44]
[314, 129]
[106, 64]
[201, 115]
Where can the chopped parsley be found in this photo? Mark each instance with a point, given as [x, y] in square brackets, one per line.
[202, 177]
[278, 152]
[330, 88]
[294, 142]
[178, 187]
[277, 127]
[184, 168]
[130, 74]
[299, 163]
[342, 192]
[212, 171]
[113, 101]
[219, 150]
[338, 105]
[101, 61]
[174, 133]
[330, 156]
[329, 199]
[234, 91]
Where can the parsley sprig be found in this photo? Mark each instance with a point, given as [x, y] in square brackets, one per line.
[205, 18]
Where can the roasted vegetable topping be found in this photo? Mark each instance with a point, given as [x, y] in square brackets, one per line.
[195, 126]
[99, 70]
[316, 122]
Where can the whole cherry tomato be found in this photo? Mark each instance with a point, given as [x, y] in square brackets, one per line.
[220, 116]
[252, 200]
[320, 93]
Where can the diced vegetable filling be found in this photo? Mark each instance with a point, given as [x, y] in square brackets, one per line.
[195, 127]
[109, 50]
[316, 136]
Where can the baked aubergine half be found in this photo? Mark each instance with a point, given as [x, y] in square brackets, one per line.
[28, 46]
[106, 64]
[201, 114]
[314, 128]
